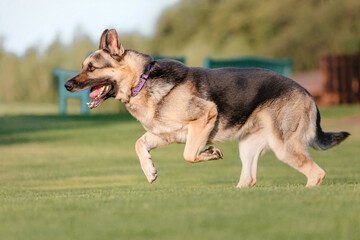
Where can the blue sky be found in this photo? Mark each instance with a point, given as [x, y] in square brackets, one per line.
[36, 23]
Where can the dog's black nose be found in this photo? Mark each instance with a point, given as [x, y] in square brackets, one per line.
[69, 85]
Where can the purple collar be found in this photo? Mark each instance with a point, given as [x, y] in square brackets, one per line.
[135, 90]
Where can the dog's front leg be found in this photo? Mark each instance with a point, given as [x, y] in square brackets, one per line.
[198, 134]
[143, 146]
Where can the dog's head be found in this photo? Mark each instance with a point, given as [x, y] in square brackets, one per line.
[107, 72]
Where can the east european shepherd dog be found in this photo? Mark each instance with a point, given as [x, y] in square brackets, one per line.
[197, 106]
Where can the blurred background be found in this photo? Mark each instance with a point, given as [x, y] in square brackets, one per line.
[38, 36]
[78, 177]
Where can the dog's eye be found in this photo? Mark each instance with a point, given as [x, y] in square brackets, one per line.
[91, 69]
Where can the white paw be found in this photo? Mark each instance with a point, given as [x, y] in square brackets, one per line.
[150, 172]
[246, 182]
[316, 180]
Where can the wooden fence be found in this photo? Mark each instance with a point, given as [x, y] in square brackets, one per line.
[340, 78]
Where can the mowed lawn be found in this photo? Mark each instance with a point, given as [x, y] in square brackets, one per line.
[78, 177]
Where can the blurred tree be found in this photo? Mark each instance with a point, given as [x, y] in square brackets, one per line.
[196, 29]
[301, 29]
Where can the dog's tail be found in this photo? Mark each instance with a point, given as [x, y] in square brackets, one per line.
[326, 140]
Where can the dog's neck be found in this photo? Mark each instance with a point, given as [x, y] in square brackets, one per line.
[135, 90]
[136, 63]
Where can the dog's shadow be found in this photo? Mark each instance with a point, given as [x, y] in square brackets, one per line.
[12, 127]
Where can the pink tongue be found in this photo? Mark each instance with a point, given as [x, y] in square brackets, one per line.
[95, 91]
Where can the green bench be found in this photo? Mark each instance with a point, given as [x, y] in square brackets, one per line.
[282, 66]
[180, 59]
[62, 76]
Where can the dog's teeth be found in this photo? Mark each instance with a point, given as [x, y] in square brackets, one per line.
[91, 103]
[101, 90]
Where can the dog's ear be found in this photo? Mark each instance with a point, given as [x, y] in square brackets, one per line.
[110, 40]
[113, 43]
[103, 39]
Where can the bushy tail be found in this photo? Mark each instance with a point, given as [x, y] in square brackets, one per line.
[326, 140]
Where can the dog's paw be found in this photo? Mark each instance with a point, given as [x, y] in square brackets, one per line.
[246, 182]
[216, 152]
[150, 172]
[211, 153]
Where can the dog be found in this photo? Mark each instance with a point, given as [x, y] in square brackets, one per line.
[198, 106]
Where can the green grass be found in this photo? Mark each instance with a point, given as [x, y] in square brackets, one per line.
[340, 111]
[78, 177]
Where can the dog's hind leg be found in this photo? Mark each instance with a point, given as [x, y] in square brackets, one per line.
[197, 137]
[290, 145]
[143, 146]
[250, 148]
[295, 154]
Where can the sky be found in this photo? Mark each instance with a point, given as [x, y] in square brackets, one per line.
[37, 23]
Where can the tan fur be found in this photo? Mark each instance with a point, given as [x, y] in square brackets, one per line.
[288, 138]
[285, 125]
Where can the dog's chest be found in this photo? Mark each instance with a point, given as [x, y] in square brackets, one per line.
[166, 125]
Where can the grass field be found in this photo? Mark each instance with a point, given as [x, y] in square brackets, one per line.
[78, 177]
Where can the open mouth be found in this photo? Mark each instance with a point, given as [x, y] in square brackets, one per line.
[98, 95]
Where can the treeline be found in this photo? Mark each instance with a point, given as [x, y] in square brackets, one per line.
[29, 78]
[304, 30]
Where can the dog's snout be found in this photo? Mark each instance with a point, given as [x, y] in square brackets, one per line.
[69, 85]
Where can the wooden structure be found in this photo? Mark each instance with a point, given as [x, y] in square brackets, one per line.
[340, 78]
